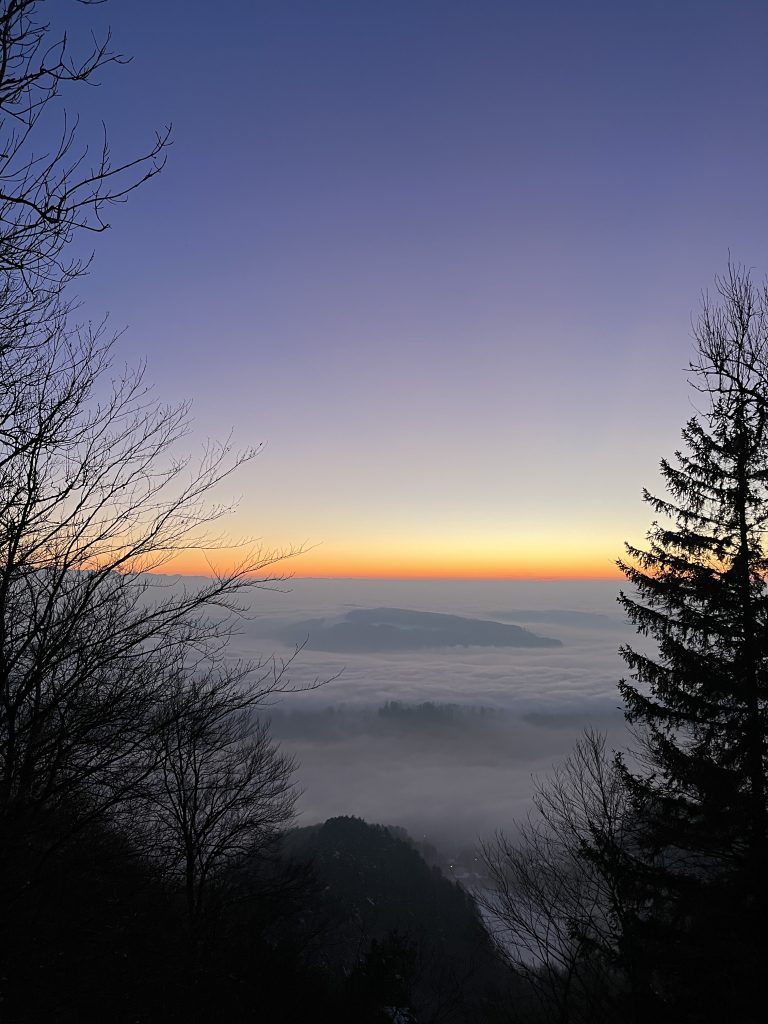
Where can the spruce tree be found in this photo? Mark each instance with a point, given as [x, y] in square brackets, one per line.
[698, 696]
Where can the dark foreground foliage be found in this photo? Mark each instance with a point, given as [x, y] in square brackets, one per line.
[341, 923]
[639, 891]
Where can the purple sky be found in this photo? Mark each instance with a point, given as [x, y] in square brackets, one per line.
[442, 256]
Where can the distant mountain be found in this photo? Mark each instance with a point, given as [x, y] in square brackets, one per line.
[562, 617]
[399, 629]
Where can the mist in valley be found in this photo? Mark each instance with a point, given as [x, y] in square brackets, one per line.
[442, 739]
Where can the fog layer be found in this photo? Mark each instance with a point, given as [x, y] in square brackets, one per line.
[430, 722]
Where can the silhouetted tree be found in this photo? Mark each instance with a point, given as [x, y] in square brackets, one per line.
[221, 791]
[654, 873]
[100, 660]
[559, 913]
[91, 497]
[698, 698]
[55, 181]
[385, 978]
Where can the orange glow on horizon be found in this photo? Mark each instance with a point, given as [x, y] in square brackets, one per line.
[321, 562]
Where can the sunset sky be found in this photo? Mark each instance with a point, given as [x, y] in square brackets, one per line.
[440, 256]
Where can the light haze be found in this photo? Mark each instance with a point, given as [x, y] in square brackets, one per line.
[518, 710]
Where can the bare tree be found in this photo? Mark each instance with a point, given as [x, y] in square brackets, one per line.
[92, 496]
[91, 491]
[559, 915]
[117, 708]
[53, 182]
[220, 789]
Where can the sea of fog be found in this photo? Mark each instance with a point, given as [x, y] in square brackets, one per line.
[462, 766]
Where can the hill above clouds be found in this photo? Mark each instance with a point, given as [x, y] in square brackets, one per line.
[400, 629]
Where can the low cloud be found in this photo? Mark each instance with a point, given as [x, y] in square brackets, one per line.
[455, 774]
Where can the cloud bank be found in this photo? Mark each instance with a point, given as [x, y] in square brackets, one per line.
[517, 710]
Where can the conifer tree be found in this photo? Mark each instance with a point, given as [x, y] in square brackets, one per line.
[698, 696]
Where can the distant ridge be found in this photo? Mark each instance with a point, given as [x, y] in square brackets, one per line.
[562, 617]
[400, 629]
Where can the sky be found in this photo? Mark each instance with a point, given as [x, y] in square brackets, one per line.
[440, 257]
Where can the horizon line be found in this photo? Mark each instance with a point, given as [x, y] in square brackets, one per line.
[528, 578]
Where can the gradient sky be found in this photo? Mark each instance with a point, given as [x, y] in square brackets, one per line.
[440, 255]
